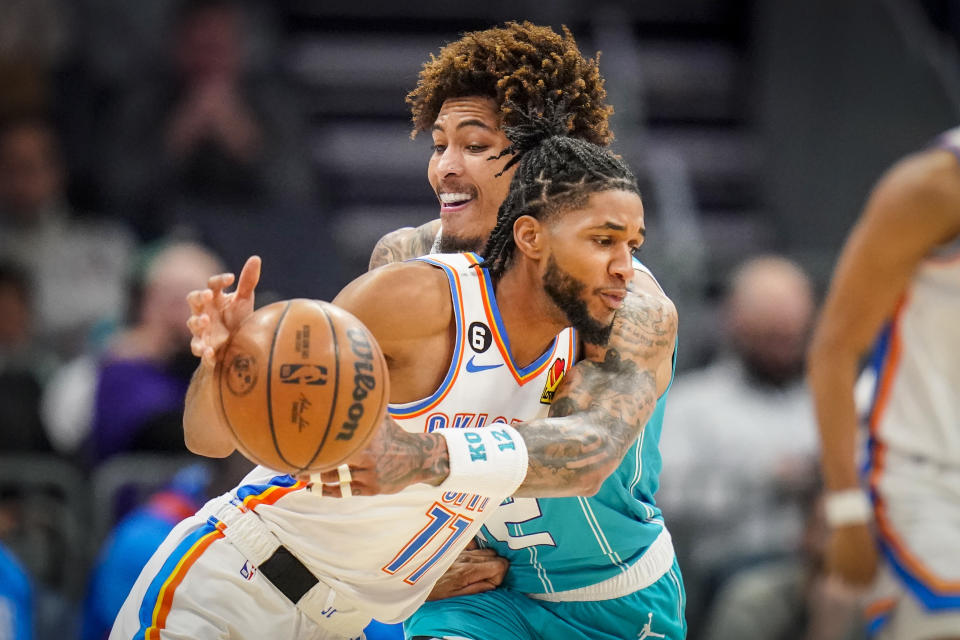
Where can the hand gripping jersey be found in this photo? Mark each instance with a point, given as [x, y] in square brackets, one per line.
[564, 548]
[385, 552]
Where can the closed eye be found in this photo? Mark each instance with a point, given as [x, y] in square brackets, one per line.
[439, 148]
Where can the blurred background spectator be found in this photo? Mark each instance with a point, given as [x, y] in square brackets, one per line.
[16, 599]
[138, 534]
[206, 131]
[132, 542]
[77, 264]
[739, 441]
[135, 396]
[24, 366]
[790, 598]
[34, 35]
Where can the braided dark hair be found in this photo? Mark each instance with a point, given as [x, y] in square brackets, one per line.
[555, 173]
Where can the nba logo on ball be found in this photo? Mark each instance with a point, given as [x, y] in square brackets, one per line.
[311, 374]
[241, 374]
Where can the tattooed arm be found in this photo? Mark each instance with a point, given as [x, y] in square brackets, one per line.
[603, 403]
[598, 412]
[403, 244]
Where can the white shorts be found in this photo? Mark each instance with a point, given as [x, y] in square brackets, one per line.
[199, 585]
[917, 592]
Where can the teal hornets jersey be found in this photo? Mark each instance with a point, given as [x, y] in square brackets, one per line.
[559, 544]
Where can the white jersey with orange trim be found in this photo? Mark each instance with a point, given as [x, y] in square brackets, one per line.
[376, 556]
[916, 409]
[913, 467]
[389, 550]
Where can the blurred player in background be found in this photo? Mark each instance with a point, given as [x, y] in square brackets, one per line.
[899, 277]
[478, 85]
[365, 556]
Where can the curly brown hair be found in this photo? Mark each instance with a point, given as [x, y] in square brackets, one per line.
[517, 65]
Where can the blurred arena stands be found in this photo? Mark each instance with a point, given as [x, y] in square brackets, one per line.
[754, 127]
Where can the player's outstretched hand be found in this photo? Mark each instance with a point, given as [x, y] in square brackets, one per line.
[852, 555]
[474, 571]
[214, 315]
[392, 460]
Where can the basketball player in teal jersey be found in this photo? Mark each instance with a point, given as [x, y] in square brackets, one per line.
[578, 558]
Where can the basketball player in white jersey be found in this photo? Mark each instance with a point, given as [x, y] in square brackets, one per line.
[897, 286]
[465, 95]
[276, 559]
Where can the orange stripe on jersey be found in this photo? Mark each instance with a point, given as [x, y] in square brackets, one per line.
[889, 370]
[165, 601]
[573, 350]
[879, 607]
[879, 453]
[489, 304]
[271, 495]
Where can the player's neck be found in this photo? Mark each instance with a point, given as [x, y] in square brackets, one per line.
[531, 319]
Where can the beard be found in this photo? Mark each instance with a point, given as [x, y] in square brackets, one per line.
[566, 291]
[453, 244]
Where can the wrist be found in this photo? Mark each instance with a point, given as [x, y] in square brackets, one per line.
[490, 461]
[847, 507]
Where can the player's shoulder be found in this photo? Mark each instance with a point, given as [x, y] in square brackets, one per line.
[404, 298]
[920, 188]
[646, 293]
[933, 173]
[404, 243]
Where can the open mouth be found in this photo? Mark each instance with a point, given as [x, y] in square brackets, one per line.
[454, 201]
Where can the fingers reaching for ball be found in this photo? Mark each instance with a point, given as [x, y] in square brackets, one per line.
[214, 315]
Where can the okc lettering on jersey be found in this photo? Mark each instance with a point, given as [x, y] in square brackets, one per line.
[441, 420]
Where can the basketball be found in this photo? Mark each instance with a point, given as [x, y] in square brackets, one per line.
[303, 386]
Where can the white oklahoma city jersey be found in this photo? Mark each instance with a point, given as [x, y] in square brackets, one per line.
[917, 404]
[916, 409]
[385, 552]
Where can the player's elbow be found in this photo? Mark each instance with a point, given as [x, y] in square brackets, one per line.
[591, 485]
[825, 350]
[204, 443]
[590, 482]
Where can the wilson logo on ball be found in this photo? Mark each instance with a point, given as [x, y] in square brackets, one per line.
[311, 374]
[242, 374]
[363, 380]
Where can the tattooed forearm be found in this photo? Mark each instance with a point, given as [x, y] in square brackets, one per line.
[602, 405]
[404, 244]
[393, 455]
